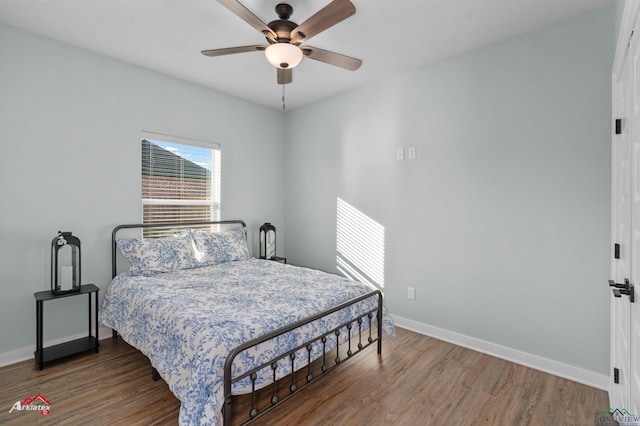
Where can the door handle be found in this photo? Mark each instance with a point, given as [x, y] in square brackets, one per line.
[618, 285]
[620, 289]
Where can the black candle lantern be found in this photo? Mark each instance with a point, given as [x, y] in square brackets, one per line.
[267, 241]
[65, 263]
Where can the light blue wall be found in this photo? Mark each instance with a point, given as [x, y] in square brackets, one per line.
[70, 124]
[502, 222]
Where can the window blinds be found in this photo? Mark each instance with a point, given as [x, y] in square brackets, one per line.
[180, 181]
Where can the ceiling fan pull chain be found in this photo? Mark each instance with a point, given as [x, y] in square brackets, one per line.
[283, 106]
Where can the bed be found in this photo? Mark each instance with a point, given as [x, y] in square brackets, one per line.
[216, 323]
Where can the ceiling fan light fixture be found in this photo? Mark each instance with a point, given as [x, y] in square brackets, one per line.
[283, 55]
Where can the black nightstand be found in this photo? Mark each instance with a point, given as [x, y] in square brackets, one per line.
[72, 347]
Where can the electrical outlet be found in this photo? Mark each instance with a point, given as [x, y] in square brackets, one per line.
[411, 293]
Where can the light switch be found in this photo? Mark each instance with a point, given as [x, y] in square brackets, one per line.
[411, 152]
[400, 154]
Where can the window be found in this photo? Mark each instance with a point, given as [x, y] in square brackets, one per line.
[180, 180]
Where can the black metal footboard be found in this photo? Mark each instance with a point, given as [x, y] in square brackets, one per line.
[363, 323]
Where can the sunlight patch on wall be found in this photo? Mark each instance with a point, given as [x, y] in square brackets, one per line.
[360, 246]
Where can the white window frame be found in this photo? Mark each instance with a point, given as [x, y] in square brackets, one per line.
[215, 203]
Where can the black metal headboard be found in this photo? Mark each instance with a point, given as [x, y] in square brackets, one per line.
[176, 225]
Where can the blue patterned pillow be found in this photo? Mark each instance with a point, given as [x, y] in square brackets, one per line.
[150, 256]
[220, 247]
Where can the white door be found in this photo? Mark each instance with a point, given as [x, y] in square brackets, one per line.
[621, 229]
[624, 391]
[634, 307]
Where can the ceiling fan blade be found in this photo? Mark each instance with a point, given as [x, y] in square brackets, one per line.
[331, 58]
[285, 76]
[328, 16]
[246, 15]
[232, 50]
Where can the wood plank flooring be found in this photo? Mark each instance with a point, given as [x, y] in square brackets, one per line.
[417, 381]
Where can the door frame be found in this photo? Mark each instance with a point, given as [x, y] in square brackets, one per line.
[627, 25]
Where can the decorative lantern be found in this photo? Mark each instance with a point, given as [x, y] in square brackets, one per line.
[65, 264]
[267, 241]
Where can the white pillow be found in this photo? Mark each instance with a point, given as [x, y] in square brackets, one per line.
[150, 256]
[213, 248]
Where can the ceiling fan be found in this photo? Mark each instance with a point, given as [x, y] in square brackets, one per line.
[284, 37]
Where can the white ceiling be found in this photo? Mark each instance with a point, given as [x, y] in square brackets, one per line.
[390, 36]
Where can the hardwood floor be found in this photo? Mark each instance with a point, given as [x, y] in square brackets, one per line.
[417, 381]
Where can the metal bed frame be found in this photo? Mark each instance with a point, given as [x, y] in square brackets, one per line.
[366, 320]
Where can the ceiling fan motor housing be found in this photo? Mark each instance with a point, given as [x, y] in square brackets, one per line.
[282, 27]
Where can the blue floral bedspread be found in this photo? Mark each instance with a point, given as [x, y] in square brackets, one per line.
[186, 322]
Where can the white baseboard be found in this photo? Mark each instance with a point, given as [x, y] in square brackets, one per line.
[22, 354]
[566, 371]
